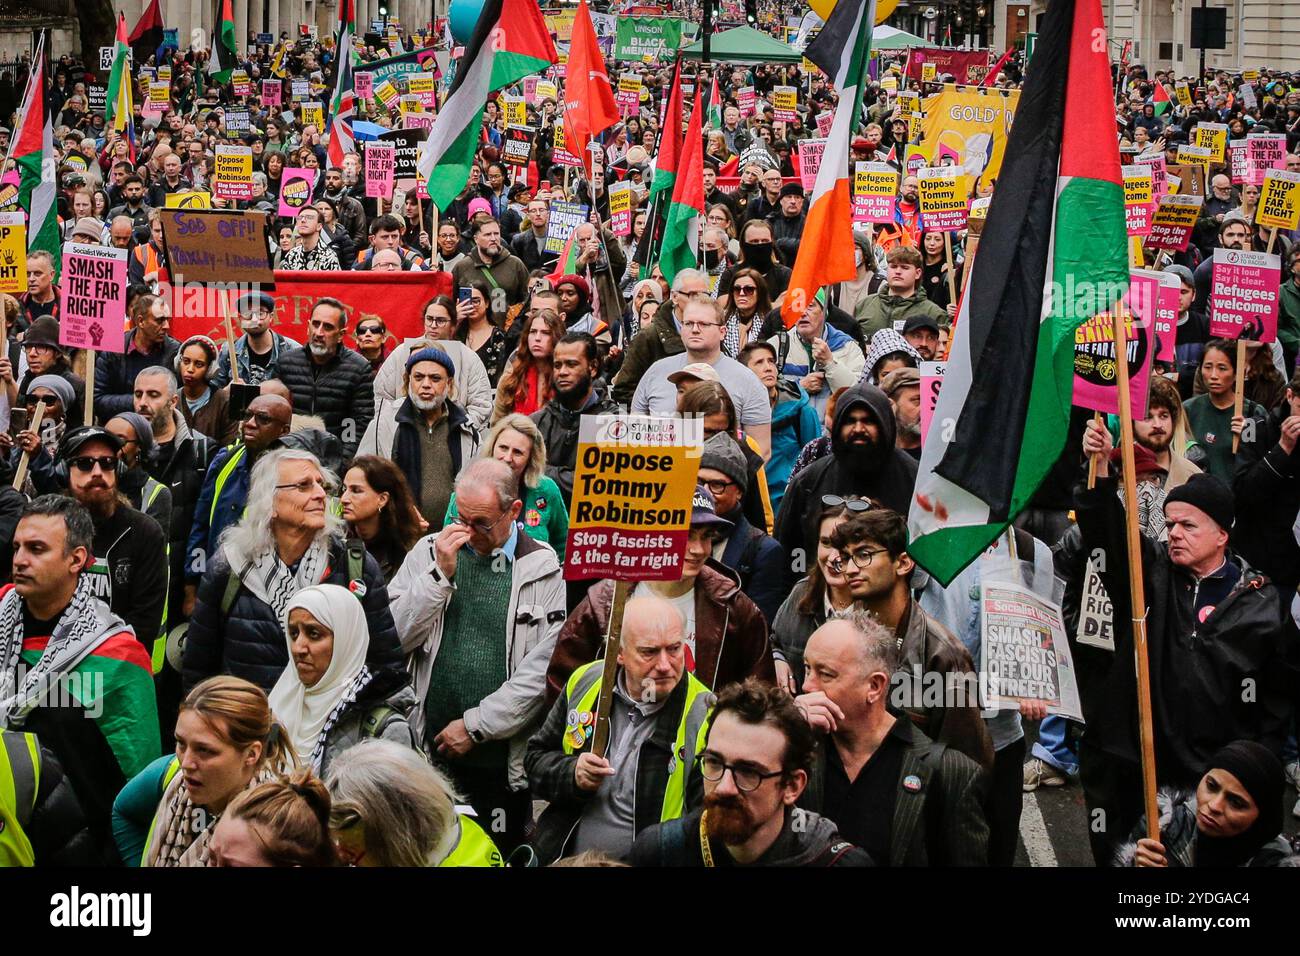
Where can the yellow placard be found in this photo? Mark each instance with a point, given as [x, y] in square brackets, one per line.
[516, 111]
[165, 74]
[190, 200]
[13, 252]
[869, 179]
[1194, 155]
[915, 126]
[1278, 206]
[160, 92]
[1214, 137]
[1250, 76]
[785, 100]
[387, 93]
[909, 101]
[929, 72]
[313, 114]
[546, 90]
[942, 190]
[1183, 92]
[889, 84]
[1139, 185]
[419, 83]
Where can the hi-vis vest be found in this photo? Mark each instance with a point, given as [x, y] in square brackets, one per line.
[152, 488]
[20, 782]
[172, 770]
[223, 476]
[474, 848]
[580, 695]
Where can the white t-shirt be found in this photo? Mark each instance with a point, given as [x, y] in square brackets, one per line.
[655, 395]
[685, 603]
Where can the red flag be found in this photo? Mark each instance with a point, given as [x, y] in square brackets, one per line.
[589, 106]
[991, 77]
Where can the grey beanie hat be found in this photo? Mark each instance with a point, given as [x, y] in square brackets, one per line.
[721, 453]
[57, 384]
[143, 434]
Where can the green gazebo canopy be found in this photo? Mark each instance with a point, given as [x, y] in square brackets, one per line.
[743, 45]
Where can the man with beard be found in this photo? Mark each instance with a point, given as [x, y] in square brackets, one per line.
[350, 214]
[1234, 233]
[662, 338]
[142, 490]
[819, 357]
[530, 244]
[922, 333]
[908, 209]
[258, 350]
[329, 380]
[429, 437]
[873, 553]
[755, 767]
[490, 259]
[866, 756]
[903, 386]
[602, 802]
[575, 363]
[129, 568]
[863, 461]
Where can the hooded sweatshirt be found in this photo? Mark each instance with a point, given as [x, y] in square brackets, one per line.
[878, 471]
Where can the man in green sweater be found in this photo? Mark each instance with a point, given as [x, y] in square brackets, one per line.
[478, 606]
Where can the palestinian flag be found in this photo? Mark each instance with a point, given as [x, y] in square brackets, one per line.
[32, 146]
[117, 99]
[681, 228]
[343, 102]
[667, 150]
[1052, 254]
[147, 36]
[495, 57]
[222, 58]
[841, 51]
[715, 104]
[1160, 99]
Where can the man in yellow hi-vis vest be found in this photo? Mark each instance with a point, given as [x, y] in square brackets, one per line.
[648, 773]
[40, 817]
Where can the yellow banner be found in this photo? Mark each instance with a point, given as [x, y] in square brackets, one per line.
[192, 200]
[974, 125]
[1194, 155]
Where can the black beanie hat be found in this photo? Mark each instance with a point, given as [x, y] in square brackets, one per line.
[1209, 494]
[1259, 771]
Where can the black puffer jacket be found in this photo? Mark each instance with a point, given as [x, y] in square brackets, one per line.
[559, 428]
[341, 392]
[249, 642]
[1267, 491]
[887, 474]
[57, 827]
[182, 472]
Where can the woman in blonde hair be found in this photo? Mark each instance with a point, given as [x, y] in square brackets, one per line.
[283, 822]
[517, 441]
[227, 740]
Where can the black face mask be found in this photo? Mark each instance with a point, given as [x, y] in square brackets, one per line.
[757, 255]
[712, 257]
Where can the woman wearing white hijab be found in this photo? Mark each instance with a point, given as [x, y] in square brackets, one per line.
[327, 698]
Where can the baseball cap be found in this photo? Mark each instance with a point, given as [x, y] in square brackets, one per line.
[74, 440]
[700, 371]
[704, 510]
[920, 321]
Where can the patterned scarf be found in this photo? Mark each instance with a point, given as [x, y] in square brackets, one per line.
[731, 344]
[73, 639]
[185, 828]
[346, 701]
[274, 583]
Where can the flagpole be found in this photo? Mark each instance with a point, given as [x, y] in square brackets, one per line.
[1137, 593]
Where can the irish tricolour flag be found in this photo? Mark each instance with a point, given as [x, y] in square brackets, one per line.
[510, 42]
[1052, 254]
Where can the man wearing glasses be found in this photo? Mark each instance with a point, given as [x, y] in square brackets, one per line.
[478, 607]
[904, 799]
[129, 571]
[258, 350]
[602, 802]
[755, 764]
[873, 553]
[663, 338]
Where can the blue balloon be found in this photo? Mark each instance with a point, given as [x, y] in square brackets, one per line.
[464, 16]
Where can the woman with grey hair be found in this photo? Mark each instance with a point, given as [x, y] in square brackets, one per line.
[289, 538]
[516, 440]
[388, 807]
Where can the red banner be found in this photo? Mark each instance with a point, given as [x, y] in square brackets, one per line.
[966, 66]
[395, 297]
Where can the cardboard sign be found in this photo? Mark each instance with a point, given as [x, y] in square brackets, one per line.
[1026, 655]
[387, 94]
[517, 148]
[1264, 151]
[93, 287]
[13, 252]
[313, 114]
[380, 160]
[408, 143]
[874, 187]
[1159, 175]
[1171, 227]
[1278, 205]
[620, 209]
[189, 200]
[824, 121]
[272, 92]
[1096, 615]
[1214, 137]
[1155, 294]
[232, 176]
[240, 84]
[1238, 160]
[1138, 199]
[299, 88]
[943, 198]
[633, 489]
[363, 84]
[217, 245]
[931, 382]
[1096, 375]
[564, 218]
[785, 103]
[747, 100]
[629, 93]
[1183, 92]
[296, 186]
[1244, 295]
[1194, 155]
[810, 160]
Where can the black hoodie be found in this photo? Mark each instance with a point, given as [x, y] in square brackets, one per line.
[887, 474]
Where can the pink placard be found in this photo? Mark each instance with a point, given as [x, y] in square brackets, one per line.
[1137, 218]
[363, 84]
[272, 92]
[1244, 295]
[93, 287]
[381, 159]
[296, 185]
[1156, 293]
[931, 383]
[1239, 160]
[1264, 151]
[810, 160]
[1095, 372]
[1159, 175]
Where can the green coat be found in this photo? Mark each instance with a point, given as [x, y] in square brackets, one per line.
[884, 310]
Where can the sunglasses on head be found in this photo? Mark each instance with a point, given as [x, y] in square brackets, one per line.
[852, 502]
[87, 463]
